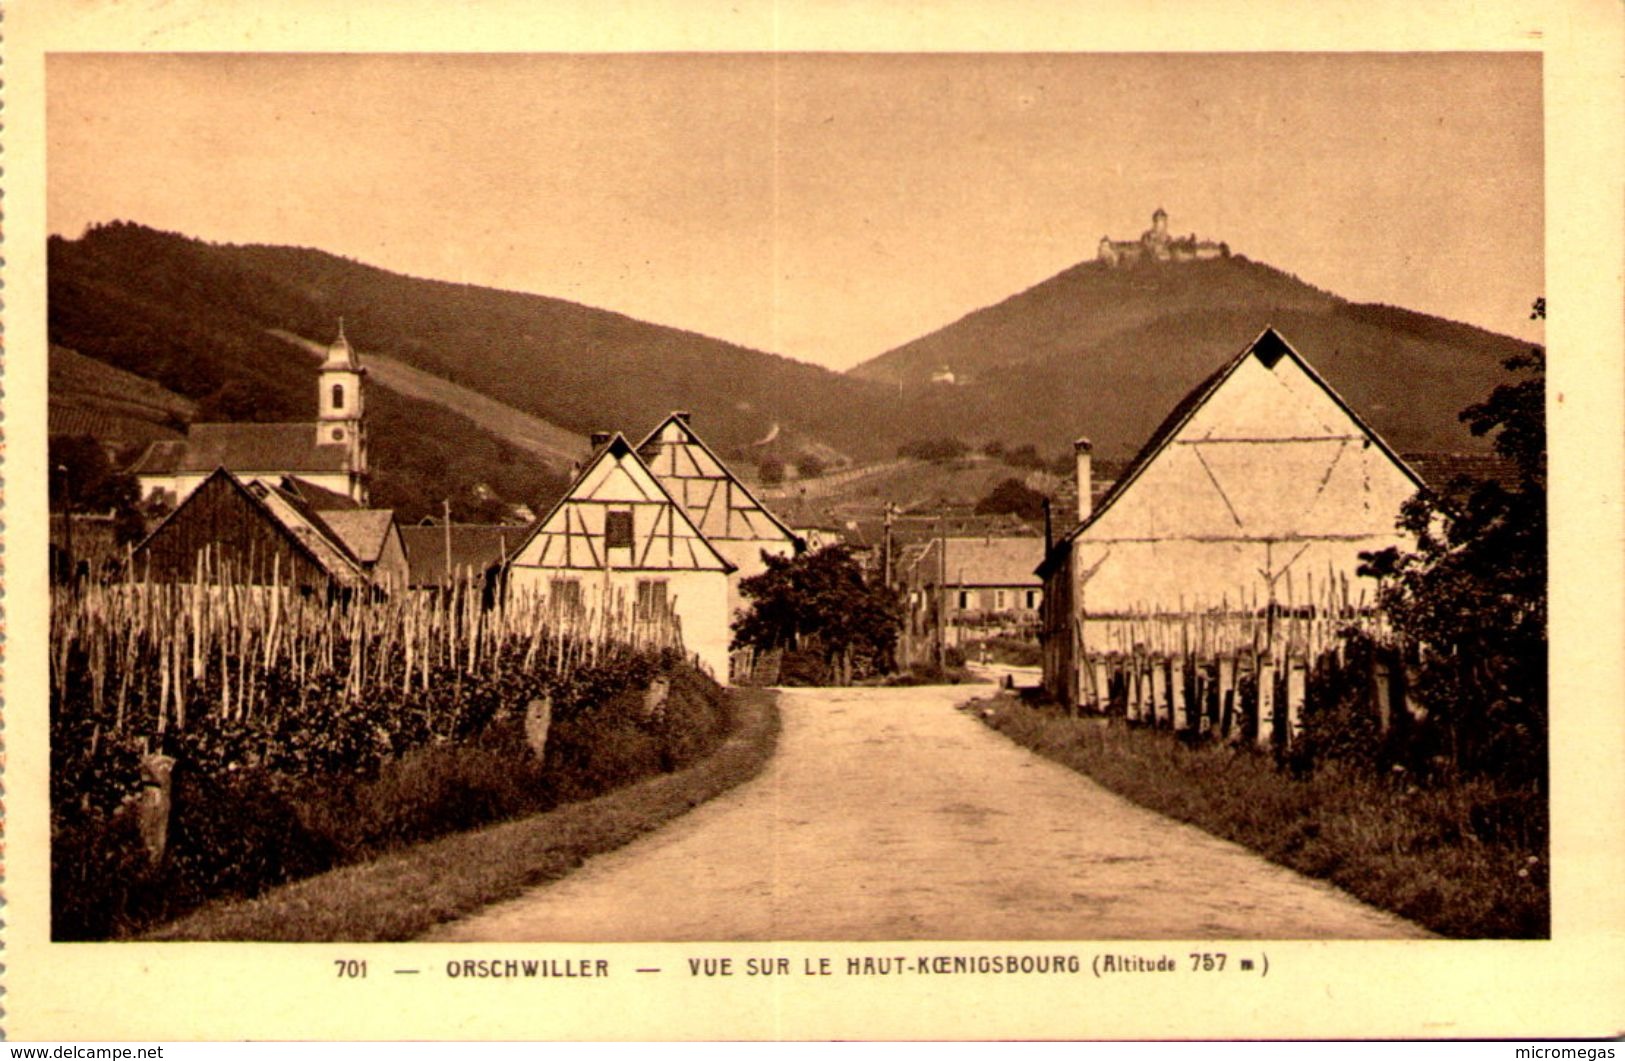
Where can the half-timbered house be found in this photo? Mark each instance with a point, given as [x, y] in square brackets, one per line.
[736, 524]
[1261, 482]
[618, 538]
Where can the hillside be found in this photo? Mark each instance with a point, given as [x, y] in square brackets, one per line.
[88, 397]
[477, 386]
[553, 445]
[188, 322]
[1104, 353]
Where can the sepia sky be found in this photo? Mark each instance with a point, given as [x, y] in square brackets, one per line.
[827, 207]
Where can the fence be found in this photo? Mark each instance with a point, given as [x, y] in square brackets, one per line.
[1241, 672]
[135, 655]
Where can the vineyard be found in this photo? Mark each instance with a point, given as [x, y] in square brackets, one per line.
[291, 731]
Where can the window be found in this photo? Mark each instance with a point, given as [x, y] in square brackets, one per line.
[1000, 601]
[338, 395]
[651, 598]
[618, 530]
[1032, 599]
[564, 595]
[964, 599]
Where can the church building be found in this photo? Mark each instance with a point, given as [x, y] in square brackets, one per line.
[330, 452]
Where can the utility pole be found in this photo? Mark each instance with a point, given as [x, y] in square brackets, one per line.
[445, 508]
[67, 521]
[942, 593]
[891, 510]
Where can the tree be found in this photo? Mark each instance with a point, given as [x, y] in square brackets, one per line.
[809, 466]
[935, 450]
[771, 470]
[83, 479]
[1014, 496]
[821, 600]
[1024, 456]
[1473, 592]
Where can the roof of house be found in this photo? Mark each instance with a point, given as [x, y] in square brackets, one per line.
[673, 451]
[475, 547]
[311, 528]
[1440, 471]
[984, 561]
[650, 486]
[1269, 347]
[318, 497]
[910, 529]
[244, 448]
[362, 530]
[305, 531]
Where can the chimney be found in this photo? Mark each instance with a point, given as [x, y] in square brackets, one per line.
[1082, 448]
[600, 439]
[683, 416]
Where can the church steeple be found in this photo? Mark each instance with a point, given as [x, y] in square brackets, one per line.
[340, 407]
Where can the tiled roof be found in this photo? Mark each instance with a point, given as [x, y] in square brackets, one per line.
[474, 548]
[362, 530]
[986, 561]
[318, 497]
[311, 529]
[1440, 471]
[244, 448]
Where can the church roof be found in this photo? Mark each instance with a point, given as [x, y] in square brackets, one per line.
[240, 448]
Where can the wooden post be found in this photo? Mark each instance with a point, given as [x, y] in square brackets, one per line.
[1297, 675]
[1178, 716]
[1382, 689]
[1229, 724]
[1266, 702]
[1136, 689]
[1159, 694]
[1102, 687]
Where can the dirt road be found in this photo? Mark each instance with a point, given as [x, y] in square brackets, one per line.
[888, 815]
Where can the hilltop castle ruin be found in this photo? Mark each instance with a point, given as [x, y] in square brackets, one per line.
[1156, 245]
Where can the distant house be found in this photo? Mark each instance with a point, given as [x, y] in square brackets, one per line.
[1259, 481]
[246, 534]
[620, 538]
[329, 452]
[983, 586]
[730, 517]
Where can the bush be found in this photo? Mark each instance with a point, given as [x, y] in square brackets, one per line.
[236, 830]
[1468, 860]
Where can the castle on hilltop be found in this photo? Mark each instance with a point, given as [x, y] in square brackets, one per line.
[1156, 245]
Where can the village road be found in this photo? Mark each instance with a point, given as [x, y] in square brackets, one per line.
[889, 815]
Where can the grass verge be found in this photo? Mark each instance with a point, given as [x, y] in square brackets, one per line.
[404, 894]
[1415, 851]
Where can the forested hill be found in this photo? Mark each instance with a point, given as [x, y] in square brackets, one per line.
[1092, 351]
[581, 368]
[1105, 352]
[192, 318]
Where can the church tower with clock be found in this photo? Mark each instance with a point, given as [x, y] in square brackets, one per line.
[340, 405]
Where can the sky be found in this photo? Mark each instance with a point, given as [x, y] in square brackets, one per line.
[827, 207]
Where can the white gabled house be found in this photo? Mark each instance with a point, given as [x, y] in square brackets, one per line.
[1261, 476]
[618, 533]
[739, 526]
